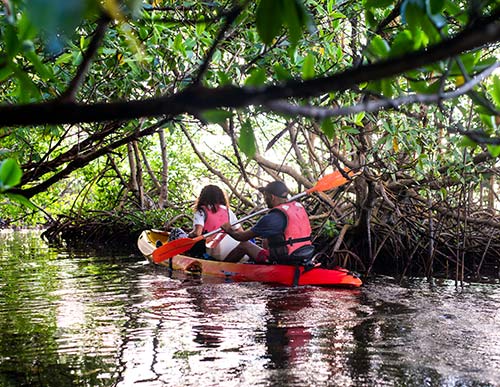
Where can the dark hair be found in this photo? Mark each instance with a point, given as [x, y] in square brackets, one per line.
[276, 188]
[210, 196]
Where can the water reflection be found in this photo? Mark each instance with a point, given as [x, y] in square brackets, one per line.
[76, 319]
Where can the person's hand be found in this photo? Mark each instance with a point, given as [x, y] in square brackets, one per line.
[226, 226]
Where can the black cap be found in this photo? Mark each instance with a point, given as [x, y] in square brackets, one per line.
[276, 188]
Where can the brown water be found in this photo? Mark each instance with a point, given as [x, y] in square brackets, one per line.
[98, 319]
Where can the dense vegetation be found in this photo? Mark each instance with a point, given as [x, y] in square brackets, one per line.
[114, 114]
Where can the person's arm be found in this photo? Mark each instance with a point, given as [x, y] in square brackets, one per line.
[240, 234]
[197, 230]
[233, 219]
[198, 223]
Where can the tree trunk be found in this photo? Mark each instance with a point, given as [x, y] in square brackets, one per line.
[163, 199]
[139, 178]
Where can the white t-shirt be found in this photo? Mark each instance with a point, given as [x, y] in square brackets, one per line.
[199, 218]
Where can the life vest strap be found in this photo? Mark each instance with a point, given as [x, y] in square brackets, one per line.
[289, 242]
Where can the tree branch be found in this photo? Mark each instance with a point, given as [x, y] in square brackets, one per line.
[373, 106]
[195, 99]
[95, 43]
[80, 161]
[215, 171]
[230, 18]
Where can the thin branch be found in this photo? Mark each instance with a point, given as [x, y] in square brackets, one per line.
[70, 93]
[231, 17]
[280, 168]
[83, 160]
[214, 171]
[373, 106]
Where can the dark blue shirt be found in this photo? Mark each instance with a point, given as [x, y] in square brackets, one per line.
[273, 223]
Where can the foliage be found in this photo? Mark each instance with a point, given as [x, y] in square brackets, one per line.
[10, 174]
[324, 75]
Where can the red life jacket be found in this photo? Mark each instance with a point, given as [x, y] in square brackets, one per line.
[213, 220]
[297, 231]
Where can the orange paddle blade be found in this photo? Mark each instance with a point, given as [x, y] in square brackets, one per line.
[331, 181]
[171, 249]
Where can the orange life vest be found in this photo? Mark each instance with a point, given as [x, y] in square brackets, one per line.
[297, 231]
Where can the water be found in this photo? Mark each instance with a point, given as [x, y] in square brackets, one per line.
[88, 319]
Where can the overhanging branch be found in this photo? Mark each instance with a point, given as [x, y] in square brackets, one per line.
[373, 106]
[196, 99]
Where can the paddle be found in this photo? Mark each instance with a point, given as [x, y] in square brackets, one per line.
[170, 249]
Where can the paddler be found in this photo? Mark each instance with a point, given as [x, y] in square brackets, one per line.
[285, 229]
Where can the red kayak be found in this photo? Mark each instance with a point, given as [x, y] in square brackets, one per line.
[249, 272]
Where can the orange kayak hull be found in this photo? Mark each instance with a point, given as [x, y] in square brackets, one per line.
[249, 272]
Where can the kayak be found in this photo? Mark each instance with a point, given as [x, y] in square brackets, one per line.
[248, 272]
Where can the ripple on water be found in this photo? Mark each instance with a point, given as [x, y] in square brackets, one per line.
[104, 321]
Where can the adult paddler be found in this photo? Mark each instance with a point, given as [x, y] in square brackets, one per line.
[285, 229]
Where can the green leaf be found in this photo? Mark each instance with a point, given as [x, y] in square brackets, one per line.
[488, 120]
[350, 130]
[480, 100]
[413, 14]
[269, 19]
[26, 89]
[257, 77]
[436, 6]
[281, 73]
[468, 60]
[10, 174]
[21, 200]
[402, 44]
[179, 45]
[328, 128]
[223, 78]
[5, 72]
[64, 58]
[495, 90]
[12, 43]
[387, 89]
[452, 8]
[424, 87]
[430, 28]
[200, 26]
[358, 119]
[294, 18]
[377, 3]
[494, 150]
[44, 71]
[246, 141]
[330, 5]
[375, 86]
[216, 116]
[378, 47]
[26, 30]
[308, 67]
[371, 20]
[467, 142]
[484, 63]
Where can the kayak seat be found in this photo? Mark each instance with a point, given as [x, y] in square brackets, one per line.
[302, 256]
[304, 253]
